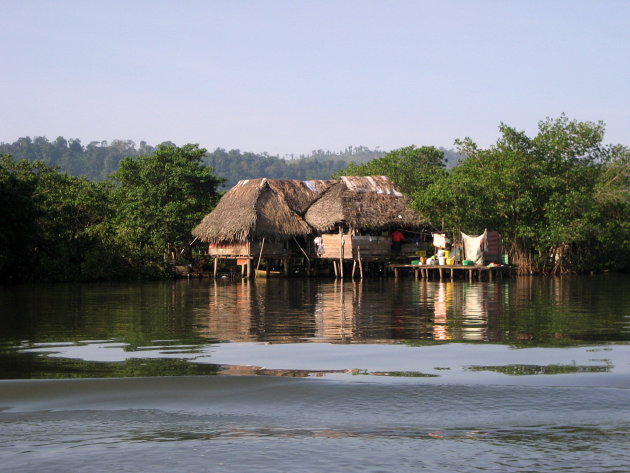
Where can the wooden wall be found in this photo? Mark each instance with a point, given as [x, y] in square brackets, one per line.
[271, 249]
[369, 247]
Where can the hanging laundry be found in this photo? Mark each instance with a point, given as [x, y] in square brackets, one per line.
[474, 247]
[439, 240]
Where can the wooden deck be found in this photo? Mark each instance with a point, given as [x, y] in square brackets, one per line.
[451, 272]
[442, 271]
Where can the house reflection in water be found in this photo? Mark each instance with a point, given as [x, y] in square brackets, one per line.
[466, 312]
[336, 311]
[441, 302]
[231, 312]
[295, 311]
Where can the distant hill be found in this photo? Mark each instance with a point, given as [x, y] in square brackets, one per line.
[98, 159]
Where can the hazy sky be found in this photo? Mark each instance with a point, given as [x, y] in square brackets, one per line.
[291, 76]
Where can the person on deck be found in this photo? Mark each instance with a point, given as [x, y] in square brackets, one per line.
[397, 240]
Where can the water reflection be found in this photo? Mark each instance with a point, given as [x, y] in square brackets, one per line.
[468, 312]
[523, 310]
[118, 330]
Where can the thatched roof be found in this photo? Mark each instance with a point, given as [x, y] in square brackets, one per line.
[253, 208]
[363, 202]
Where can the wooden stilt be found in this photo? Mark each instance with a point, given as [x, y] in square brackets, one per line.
[216, 267]
[341, 245]
[360, 262]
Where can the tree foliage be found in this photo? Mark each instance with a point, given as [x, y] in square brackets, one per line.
[558, 198]
[161, 197]
[56, 227]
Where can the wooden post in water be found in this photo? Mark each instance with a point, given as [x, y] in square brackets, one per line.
[216, 267]
[360, 262]
[341, 244]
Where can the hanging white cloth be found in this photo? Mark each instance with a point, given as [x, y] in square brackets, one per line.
[474, 247]
[439, 240]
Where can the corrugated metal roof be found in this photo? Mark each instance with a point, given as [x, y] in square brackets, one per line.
[375, 184]
[318, 185]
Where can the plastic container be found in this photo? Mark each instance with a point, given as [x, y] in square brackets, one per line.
[441, 260]
[447, 253]
[468, 262]
[440, 253]
[450, 261]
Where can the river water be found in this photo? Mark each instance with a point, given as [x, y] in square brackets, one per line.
[299, 375]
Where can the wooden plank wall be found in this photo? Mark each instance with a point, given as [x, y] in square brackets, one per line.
[271, 249]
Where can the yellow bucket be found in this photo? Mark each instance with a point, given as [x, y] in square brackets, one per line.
[450, 261]
[447, 253]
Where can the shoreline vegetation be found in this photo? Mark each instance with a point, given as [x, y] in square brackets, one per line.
[560, 199]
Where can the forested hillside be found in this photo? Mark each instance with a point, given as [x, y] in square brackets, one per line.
[97, 160]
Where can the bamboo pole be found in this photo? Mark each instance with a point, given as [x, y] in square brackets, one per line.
[341, 241]
[262, 245]
[303, 252]
[249, 259]
[360, 262]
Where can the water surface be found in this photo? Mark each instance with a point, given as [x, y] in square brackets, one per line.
[530, 374]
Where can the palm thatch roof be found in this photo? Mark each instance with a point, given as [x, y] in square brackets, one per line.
[256, 208]
[371, 202]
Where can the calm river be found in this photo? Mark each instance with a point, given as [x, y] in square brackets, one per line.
[525, 375]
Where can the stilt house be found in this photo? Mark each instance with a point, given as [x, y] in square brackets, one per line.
[356, 216]
[260, 219]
